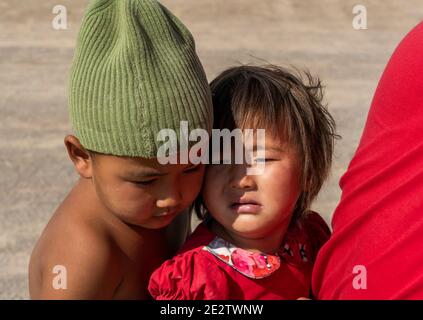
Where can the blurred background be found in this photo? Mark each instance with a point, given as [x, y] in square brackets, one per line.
[35, 173]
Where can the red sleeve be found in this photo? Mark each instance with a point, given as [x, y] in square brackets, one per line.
[378, 225]
[169, 281]
[189, 276]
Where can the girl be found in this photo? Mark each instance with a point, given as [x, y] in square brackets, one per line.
[258, 239]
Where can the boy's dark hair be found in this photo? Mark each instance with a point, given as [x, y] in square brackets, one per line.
[288, 105]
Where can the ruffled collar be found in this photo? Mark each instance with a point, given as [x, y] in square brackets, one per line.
[256, 265]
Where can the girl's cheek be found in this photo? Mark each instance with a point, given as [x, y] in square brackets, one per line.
[212, 183]
[209, 178]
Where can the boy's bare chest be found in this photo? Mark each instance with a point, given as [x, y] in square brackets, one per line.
[134, 284]
[137, 265]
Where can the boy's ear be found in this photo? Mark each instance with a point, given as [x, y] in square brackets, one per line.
[79, 156]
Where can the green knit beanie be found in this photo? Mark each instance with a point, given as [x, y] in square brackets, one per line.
[135, 72]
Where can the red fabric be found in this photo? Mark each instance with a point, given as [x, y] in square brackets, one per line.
[379, 221]
[195, 274]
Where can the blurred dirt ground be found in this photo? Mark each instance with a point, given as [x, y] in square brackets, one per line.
[35, 59]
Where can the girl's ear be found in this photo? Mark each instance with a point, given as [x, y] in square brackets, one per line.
[80, 157]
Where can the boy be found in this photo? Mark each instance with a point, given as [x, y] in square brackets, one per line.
[135, 72]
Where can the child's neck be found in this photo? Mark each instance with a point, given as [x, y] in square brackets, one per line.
[269, 244]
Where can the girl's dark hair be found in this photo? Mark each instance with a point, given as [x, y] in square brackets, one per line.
[288, 105]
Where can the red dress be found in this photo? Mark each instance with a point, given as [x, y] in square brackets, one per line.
[378, 225]
[209, 268]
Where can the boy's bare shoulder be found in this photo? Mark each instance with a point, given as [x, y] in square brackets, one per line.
[77, 250]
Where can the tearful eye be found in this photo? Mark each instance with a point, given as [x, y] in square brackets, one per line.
[144, 183]
[264, 160]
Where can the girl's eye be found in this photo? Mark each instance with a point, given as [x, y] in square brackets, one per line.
[263, 159]
[144, 183]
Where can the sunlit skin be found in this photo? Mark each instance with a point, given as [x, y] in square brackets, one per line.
[119, 223]
[253, 211]
[142, 192]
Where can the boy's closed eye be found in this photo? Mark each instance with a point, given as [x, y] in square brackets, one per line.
[192, 168]
[145, 178]
[150, 181]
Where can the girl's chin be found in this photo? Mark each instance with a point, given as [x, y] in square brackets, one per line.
[246, 230]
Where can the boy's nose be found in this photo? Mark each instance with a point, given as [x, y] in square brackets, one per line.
[171, 200]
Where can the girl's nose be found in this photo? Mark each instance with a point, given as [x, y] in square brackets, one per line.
[239, 177]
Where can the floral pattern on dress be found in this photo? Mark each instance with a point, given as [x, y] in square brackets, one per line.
[256, 265]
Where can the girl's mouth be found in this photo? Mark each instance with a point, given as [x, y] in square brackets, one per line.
[246, 206]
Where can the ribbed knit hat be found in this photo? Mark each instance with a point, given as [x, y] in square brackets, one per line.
[135, 72]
